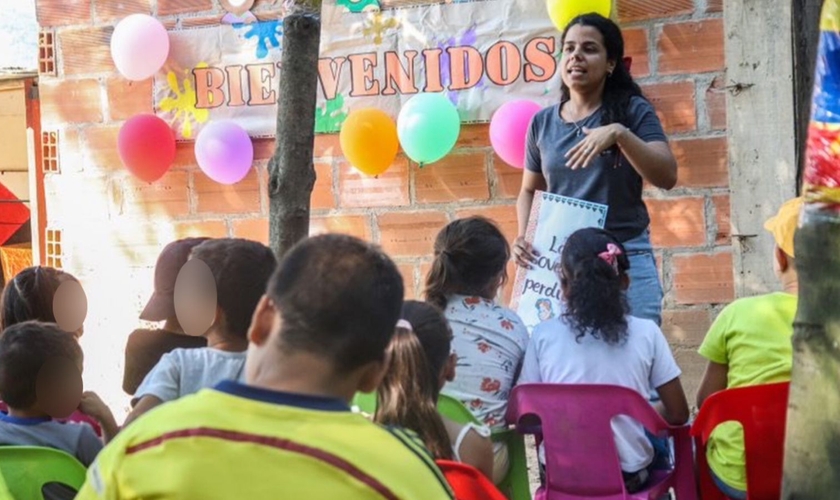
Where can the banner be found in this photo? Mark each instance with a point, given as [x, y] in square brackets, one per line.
[537, 296]
[481, 54]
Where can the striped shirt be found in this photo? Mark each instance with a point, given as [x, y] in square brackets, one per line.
[237, 441]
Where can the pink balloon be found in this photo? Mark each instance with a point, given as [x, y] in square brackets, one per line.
[139, 46]
[509, 128]
[224, 152]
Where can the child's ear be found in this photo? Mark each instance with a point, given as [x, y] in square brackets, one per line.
[373, 373]
[262, 322]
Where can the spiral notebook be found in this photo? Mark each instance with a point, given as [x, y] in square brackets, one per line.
[536, 293]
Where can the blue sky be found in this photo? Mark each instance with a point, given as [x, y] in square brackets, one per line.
[18, 34]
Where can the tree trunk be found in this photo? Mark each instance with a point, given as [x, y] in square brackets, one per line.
[812, 437]
[291, 171]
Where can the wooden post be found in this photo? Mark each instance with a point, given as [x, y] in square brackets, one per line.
[761, 132]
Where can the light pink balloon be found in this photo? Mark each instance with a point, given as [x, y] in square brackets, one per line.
[509, 128]
[139, 46]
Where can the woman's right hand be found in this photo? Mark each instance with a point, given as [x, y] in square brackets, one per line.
[524, 253]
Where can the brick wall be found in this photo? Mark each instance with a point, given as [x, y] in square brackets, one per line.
[113, 226]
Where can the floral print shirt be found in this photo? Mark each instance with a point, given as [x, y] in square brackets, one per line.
[490, 342]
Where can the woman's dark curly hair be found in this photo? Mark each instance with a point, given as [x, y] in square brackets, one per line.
[595, 300]
[619, 87]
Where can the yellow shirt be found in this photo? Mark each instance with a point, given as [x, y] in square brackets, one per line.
[753, 337]
[241, 442]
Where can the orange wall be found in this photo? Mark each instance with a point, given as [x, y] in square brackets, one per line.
[113, 226]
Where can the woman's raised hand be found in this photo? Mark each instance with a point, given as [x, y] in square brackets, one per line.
[597, 141]
[524, 253]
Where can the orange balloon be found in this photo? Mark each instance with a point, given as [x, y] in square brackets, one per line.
[369, 140]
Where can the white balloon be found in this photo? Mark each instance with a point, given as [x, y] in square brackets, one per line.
[139, 46]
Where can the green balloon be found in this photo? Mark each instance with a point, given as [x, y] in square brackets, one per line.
[428, 127]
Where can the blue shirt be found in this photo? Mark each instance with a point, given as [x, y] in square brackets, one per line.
[610, 179]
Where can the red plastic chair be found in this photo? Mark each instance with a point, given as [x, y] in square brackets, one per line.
[581, 457]
[467, 482]
[762, 411]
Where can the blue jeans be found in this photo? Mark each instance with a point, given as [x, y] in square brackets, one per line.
[727, 490]
[645, 292]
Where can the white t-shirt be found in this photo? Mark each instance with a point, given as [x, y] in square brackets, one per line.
[490, 342]
[186, 371]
[643, 361]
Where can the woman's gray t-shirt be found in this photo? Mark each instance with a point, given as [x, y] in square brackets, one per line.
[610, 179]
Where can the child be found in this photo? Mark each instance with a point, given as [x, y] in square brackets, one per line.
[595, 341]
[241, 269]
[471, 256]
[420, 362]
[40, 381]
[749, 344]
[145, 347]
[29, 296]
[317, 337]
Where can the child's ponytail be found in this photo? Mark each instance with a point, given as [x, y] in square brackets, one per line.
[593, 275]
[407, 396]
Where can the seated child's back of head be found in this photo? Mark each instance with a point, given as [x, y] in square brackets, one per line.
[40, 379]
[30, 295]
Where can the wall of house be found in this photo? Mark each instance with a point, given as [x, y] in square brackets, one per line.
[111, 226]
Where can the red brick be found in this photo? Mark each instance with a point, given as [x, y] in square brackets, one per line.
[100, 147]
[716, 104]
[127, 98]
[322, 193]
[202, 228]
[457, 177]
[63, 12]
[407, 272]
[193, 22]
[70, 151]
[114, 10]
[255, 229]
[86, 50]
[166, 197]
[678, 222]
[674, 104]
[185, 156]
[242, 197]
[263, 148]
[636, 46]
[409, 233]
[167, 7]
[691, 47]
[425, 268]
[714, 6]
[475, 135]
[70, 101]
[686, 327]
[635, 10]
[354, 225]
[504, 216]
[327, 145]
[389, 189]
[508, 179]
[722, 218]
[703, 278]
[692, 366]
[702, 162]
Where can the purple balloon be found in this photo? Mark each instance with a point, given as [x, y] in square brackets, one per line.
[224, 152]
[509, 128]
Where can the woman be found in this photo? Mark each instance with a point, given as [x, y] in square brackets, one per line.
[599, 144]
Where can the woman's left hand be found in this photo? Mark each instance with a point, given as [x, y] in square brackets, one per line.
[597, 141]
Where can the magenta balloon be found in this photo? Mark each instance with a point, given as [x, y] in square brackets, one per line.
[509, 128]
[224, 152]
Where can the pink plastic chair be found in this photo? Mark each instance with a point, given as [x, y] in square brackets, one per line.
[762, 411]
[581, 457]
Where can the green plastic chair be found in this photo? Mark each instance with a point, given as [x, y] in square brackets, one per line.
[26, 469]
[5, 494]
[515, 485]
